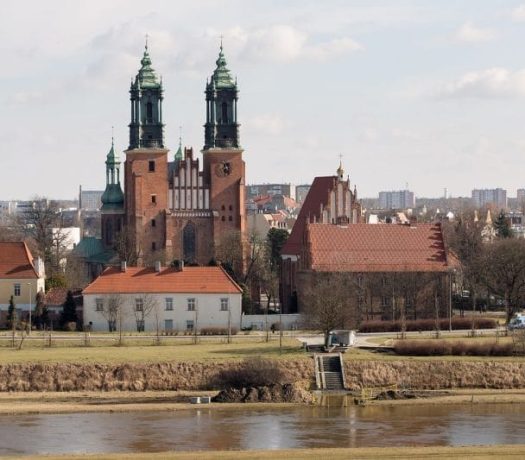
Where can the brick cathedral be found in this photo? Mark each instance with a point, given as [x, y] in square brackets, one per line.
[170, 208]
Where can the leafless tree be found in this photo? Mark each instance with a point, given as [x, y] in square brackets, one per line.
[327, 301]
[127, 247]
[145, 305]
[113, 312]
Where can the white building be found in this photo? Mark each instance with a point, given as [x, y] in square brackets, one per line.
[171, 299]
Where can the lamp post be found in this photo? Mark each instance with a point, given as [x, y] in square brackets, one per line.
[30, 307]
[450, 273]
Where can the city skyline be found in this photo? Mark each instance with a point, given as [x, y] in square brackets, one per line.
[408, 92]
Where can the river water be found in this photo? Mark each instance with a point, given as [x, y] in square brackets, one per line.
[296, 427]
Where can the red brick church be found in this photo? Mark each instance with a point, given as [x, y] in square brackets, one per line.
[171, 209]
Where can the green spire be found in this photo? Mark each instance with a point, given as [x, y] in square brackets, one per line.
[112, 198]
[146, 78]
[178, 153]
[221, 77]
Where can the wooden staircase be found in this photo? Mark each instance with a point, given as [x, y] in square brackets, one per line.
[329, 374]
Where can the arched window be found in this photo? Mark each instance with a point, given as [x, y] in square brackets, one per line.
[149, 112]
[224, 112]
[188, 242]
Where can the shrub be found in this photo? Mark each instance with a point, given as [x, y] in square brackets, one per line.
[428, 324]
[252, 372]
[455, 348]
[218, 331]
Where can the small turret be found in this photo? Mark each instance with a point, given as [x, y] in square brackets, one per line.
[112, 198]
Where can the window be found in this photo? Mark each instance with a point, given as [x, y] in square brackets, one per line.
[153, 223]
[151, 166]
[223, 208]
[191, 304]
[230, 218]
[230, 207]
[153, 246]
[224, 305]
[224, 112]
[223, 218]
[16, 289]
[189, 325]
[149, 112]
[385, 301]
[168, 325]
[169, 303]
[99, 304]
[139, 305]
[154, 199]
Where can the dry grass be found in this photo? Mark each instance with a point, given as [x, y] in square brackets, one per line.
[504, 452]
[217, 350]
[453, 348]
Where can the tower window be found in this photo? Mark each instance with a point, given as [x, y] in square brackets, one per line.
[223, 208]
[224, 112]
[153, 246]
[149, 112]
[153, 223]
[223, 218]
[151, 166]
[230, 218]
[230, 207]
[154, 199]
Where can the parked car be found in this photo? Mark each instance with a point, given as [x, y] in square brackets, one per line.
[518, 322]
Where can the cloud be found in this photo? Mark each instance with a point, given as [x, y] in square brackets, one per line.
[469, 33]
[270, 123]
[518, 13]
[489, 83]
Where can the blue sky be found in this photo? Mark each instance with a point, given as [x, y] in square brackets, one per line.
[421, 92]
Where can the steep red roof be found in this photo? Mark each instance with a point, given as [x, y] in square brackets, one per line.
[376, 248]
[318, 195]
[16, 261]
[206, 280]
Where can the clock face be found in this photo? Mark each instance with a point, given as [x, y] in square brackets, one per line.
[224, 168]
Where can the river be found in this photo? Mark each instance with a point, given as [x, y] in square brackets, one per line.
[263, 428]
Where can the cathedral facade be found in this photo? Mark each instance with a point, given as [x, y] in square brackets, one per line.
[171, 209]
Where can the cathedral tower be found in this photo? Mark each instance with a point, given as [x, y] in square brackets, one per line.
[224, 168]
[112, 211]
[146, 167]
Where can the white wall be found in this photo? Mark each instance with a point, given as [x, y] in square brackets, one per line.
[258, 322]
[208, 311]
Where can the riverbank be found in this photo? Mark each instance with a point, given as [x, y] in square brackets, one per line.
[505, 452]
[165, 401]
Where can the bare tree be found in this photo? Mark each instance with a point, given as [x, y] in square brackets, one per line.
[113, 312]
[327, 302]
[145, 305]
[127, 247]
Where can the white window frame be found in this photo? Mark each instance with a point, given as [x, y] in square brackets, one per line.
[225, 304]
[99, 304]
[168, 304]
[192, 303]
[17, 289]
[139, 304]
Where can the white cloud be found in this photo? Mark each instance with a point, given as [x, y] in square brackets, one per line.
[518, 13]
[469, 33]
[270, 123]
[489, 83]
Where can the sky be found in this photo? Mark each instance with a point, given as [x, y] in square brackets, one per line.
[426, 94]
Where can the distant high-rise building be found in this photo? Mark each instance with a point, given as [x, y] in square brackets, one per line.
[300, 192]
[484, 197]
[520, 195]
[401, 199]
[256, 190]
[90, 200]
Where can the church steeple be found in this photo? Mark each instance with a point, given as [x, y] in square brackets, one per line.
[112, 198]
[221, 129]
[146, 129]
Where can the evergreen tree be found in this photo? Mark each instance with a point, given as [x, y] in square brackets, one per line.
[39, 310]
[69, 311]
[502, 226]
[276, 239]
[11, 313]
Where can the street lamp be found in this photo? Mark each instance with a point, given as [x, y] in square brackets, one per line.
[450, 273]
[30, 307]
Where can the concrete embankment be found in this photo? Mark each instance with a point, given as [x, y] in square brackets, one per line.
[415, 374]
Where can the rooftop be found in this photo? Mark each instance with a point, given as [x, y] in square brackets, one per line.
[16, 261]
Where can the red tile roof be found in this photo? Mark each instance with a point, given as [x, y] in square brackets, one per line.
[318, 195]
[206, 280]
[376, 248]
[58, 295]
[16, 261]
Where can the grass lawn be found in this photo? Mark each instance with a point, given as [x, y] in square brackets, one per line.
[204, 351]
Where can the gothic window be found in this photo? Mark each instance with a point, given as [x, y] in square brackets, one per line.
[189, 242]
[149, 112]
[151, 166]
[224, 112]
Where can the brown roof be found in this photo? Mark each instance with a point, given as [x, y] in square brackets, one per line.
[57, 296]
[16, 261]
[376, 248]
[207, 280]
[317, 195]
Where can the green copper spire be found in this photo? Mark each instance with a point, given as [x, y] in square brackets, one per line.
[112, 198]
[178, 153]
[221, 77]
[146, 78]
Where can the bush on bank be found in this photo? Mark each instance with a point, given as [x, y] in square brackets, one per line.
[428, 324]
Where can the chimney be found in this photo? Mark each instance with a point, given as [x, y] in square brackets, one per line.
[157, 266]
[123, 266]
